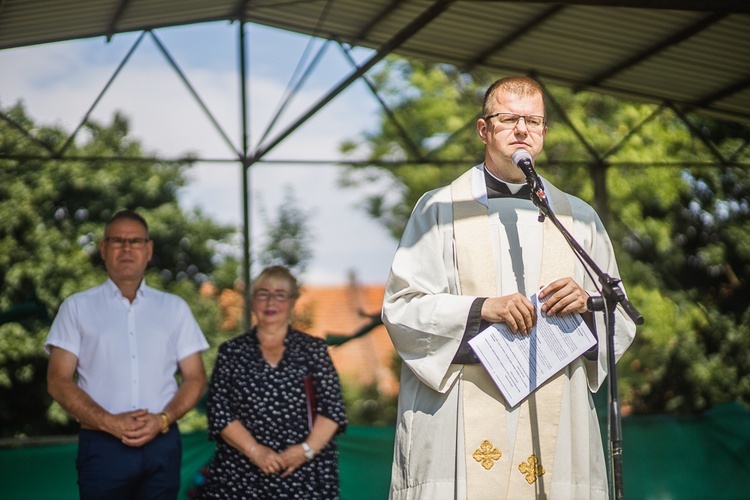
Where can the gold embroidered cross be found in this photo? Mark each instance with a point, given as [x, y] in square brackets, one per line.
[486, 454]
[532, 469]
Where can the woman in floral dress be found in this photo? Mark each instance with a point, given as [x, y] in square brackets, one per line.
[258, 409]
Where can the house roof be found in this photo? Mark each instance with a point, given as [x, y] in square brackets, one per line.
[692, 53]
[341, 311]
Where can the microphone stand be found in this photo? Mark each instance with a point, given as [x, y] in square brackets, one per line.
[612, 295]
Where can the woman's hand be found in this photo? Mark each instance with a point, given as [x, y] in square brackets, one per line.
[267, 460]
[293, 457]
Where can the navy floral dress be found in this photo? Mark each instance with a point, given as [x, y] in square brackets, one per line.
[271, 403]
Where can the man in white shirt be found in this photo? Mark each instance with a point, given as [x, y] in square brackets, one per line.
[114, 351]
[471, 255]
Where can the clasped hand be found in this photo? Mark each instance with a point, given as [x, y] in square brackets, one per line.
[563, 296]
[271, 462]
[134, 428]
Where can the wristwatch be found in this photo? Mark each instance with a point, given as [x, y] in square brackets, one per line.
[309, 452]
[164, 423]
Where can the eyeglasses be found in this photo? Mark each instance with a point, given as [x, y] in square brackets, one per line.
[264, 296]
[117, 242]
[509, 120]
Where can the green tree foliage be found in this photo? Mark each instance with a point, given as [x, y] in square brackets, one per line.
[435, 110]
[681, 232]
[681, 235]
[288, 236]
[367, 405]
[52, 216]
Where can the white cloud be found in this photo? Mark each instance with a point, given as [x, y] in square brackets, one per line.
[59, 82]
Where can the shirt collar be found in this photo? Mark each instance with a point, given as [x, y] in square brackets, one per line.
[114, 290]
[500, 189]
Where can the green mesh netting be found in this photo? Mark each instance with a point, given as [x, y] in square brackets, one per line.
[664, 457]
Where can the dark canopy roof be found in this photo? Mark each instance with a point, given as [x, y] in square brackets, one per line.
[691, 53]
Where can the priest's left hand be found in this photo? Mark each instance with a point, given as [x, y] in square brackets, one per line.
[565, 297]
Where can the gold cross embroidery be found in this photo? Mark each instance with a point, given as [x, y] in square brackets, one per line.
[486, 454]
[532, 469]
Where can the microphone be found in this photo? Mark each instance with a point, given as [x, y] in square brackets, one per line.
[522, 159]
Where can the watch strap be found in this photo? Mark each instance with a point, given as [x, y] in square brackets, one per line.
[309, 452]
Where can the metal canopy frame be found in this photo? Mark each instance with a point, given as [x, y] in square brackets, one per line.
[694, 53]
[371, 34]
[398, 42]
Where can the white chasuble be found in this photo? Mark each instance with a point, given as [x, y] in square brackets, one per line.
[425, 310]
[507, 461]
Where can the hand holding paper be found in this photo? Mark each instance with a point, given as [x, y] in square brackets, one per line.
[519, 364]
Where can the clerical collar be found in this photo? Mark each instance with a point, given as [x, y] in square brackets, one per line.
[499, 189]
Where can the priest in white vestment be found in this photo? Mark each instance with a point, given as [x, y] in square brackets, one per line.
[471, 255]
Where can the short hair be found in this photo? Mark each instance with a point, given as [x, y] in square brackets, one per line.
[277, 272]
[127, 215]
[517, 85]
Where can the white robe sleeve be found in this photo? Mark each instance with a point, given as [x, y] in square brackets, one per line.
[423, 310]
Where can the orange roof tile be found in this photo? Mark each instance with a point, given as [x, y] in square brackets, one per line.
[343, 310]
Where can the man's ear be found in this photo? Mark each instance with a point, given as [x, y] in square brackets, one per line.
[482, 130]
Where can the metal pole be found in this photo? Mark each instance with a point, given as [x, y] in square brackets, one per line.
[245, 166]
[615, 418]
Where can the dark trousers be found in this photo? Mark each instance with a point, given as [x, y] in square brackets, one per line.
[108, 469]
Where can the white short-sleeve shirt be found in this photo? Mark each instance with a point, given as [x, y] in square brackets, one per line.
[128, 353]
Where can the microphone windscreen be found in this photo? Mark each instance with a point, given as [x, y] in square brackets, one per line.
[521, 155]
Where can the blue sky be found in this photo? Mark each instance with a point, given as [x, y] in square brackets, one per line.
[59, 82]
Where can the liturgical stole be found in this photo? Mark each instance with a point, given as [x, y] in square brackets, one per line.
[492, 469]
